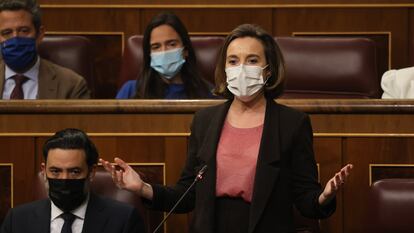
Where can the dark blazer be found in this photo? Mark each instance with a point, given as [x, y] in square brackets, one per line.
[286, 172]
[102, 216]
[55, 82]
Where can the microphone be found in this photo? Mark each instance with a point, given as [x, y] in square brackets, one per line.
[198, 177]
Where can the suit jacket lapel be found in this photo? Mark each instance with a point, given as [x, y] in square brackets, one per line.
[208, 155]
[266, 171]
[2, 78]
[41, 217]
[95, 218]
[48, 85]
[213, 132]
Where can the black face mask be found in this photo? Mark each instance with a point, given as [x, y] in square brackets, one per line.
[67, 194]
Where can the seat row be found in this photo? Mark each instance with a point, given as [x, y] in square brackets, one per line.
[316, 67]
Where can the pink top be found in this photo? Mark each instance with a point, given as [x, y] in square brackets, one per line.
[237, 154]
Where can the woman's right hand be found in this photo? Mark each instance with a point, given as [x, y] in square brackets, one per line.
[125, 178]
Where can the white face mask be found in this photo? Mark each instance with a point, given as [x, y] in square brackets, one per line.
[245, 81]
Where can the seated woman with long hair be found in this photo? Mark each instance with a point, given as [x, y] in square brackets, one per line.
[169, 68]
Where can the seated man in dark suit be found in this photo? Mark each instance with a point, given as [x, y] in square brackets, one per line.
[23, 74]
[70, 165]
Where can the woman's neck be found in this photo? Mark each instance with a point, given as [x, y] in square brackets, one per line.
[247, 114]
[257, 104]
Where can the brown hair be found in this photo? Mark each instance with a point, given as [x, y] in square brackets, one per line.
[30, 6]
[275, 83]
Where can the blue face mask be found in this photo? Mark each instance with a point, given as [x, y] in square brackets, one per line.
[168, 63]
[19, 52]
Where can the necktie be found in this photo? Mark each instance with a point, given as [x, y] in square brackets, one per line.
[69, 218]
[17, 92]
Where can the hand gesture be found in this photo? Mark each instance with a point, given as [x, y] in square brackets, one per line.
[125, 178]
[334, 184]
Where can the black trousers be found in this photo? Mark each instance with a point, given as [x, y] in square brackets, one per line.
[232, 215]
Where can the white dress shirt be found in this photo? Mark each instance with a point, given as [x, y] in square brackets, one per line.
[56, 222]
[30, 87]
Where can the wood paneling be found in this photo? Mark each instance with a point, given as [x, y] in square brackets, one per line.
[362, 152]
[337, 20]
[362, 123]
[20, 152]
[5, 189]
[328, 153]
[107, 29]
[175, 157]
[214, 20]
[108, 51]
[410, 46]
[92, 20]
[96, 123]
[391, 171]
[153, 174]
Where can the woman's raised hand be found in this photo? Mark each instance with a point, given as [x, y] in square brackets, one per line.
[126, 177]
[334, 184]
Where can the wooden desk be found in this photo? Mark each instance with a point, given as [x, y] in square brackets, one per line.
[377, 136]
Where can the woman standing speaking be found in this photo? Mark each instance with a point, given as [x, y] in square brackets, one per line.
[259, 153]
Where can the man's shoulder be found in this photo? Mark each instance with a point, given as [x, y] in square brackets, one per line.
[57, 82]
[29, 207]
[60, 71]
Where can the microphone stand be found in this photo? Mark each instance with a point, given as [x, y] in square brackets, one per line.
[196, 179]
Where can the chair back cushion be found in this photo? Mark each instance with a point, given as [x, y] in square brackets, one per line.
[391, 206]
[330, 67]
[72, 52]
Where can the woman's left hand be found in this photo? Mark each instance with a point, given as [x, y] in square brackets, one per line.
[334, 184]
